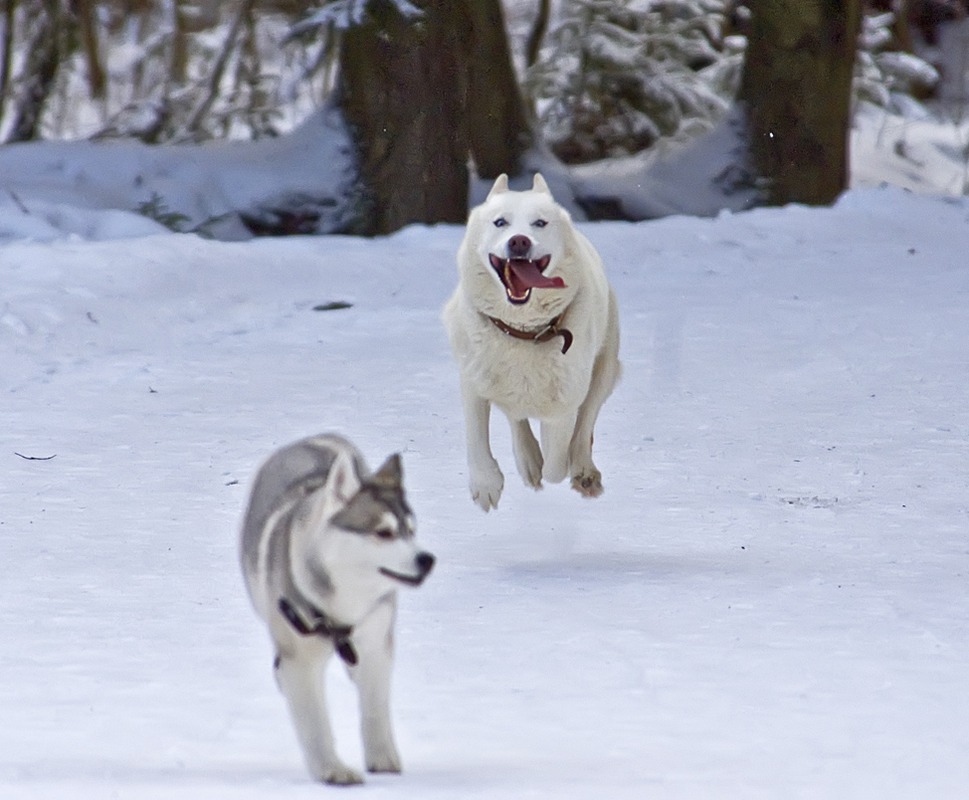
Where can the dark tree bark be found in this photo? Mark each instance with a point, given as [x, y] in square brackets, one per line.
[87, 20]
[6, 51]
[422, 96]
[537, 33]
[400, 91]
[796, 93]
[498, 128]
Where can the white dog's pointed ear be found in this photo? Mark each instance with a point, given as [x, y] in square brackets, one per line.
[539, 185]
[501, 185]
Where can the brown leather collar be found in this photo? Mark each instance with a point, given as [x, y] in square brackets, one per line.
[543, 334]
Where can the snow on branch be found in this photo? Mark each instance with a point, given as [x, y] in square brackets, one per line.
[343, 14]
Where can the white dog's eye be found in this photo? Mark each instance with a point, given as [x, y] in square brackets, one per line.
[540, 223]
[385, 533]
[501, 222]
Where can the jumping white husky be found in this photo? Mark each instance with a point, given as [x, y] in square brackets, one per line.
[535, 330]
[325, 544]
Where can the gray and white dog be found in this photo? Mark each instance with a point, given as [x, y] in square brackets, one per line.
[325, 544]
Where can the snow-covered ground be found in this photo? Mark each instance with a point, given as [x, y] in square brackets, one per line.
[769, 601]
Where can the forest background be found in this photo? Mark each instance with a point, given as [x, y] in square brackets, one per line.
[402, 104]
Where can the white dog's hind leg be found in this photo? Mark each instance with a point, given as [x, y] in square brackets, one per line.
[556, 435]
[374, 642]
[484, 474]
[586, 478]
[300, 679]
[528, 455]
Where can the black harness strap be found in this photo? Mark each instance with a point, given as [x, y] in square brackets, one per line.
[321, 626]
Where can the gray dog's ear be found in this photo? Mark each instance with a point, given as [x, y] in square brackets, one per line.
[344, 479]
[539, 185]
[391, 473]
[501, 185]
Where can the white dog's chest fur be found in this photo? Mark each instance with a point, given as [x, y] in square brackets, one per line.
[526, 379]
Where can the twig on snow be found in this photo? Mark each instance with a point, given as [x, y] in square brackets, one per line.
[34, 458]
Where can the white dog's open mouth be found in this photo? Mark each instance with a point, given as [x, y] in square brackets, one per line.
[520, 275]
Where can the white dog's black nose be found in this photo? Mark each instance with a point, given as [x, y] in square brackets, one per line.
[425, 562]
[519, 246]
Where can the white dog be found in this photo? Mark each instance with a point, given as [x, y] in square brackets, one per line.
[534, 328]
[325, 544]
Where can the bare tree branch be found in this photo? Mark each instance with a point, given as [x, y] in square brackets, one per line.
[218, 69]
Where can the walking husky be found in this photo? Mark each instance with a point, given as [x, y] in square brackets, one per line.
[325, 545]
[534, 328]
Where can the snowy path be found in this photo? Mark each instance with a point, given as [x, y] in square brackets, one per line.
[770, 600]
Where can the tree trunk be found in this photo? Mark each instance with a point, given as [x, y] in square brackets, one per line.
[498, 128]
[87, 20]
[422, 95]
[42, 61]
[6, 51]
[400, 89]
[537, 33]
[796, 96]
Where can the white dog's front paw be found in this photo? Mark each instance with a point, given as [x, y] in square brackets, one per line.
[486, 486]
[340, 775]
[588, 482]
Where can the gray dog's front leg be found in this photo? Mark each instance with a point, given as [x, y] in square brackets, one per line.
[374, 642]
[300, 678]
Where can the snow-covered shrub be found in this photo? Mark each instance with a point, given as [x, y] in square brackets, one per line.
[889, 78]
[617, 75]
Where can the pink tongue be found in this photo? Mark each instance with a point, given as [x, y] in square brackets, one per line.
[524, 275]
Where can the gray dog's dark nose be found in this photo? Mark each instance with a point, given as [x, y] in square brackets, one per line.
[519, 246]
[425, 562]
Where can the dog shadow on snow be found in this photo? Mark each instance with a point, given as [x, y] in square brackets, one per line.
[546, 542]
[81, 776]
[620, 566]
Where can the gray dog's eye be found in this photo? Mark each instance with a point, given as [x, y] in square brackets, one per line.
[501, 222]
[540, 223]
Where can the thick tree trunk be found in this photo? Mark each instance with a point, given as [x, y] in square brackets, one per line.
[498, 128]
[400, 91]
[796, 95]
[423, 95]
